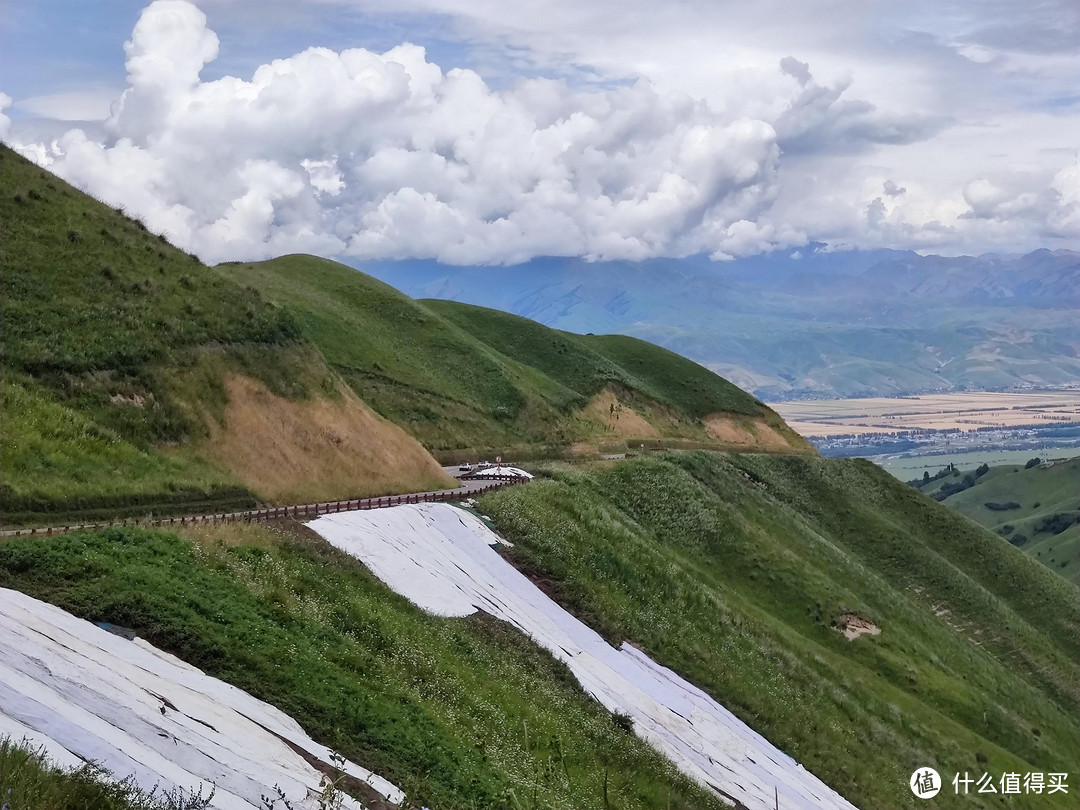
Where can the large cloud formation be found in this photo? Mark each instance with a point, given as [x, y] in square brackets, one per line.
[371, 155]
[384, 155]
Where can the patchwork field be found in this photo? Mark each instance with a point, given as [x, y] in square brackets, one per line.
[968, 411]
[907, 469]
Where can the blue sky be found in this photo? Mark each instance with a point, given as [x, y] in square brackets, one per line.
[488, 132]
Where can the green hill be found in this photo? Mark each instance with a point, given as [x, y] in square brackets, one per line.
[1035, 508]
[138, 380]
[740, 571]
[119, 355]
[467, 380]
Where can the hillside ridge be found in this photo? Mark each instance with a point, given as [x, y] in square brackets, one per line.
[467, 380]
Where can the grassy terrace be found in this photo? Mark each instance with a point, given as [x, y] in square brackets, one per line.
[460, 713]
[733, 570]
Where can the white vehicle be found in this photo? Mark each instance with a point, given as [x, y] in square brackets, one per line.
[465, 467]
[483, 465]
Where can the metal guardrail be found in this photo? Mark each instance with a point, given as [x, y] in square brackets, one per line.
[307, 510]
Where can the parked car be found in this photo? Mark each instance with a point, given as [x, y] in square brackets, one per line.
[483, 465]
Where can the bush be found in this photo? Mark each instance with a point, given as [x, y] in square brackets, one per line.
[623, 721]
[1001, 507]
[1056, 524]
[1033, 462]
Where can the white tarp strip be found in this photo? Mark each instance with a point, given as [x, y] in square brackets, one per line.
[441, 558]
[491, 472]
[84, 694]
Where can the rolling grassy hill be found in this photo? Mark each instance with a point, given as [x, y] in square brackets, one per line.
[138, 380]
[739, 571]
[1035, 508]
[466, 380]
[122, 359]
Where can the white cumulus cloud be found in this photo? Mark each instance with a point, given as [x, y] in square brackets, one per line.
[385, 155]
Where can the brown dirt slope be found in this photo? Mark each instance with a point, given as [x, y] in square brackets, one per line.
[619, 417]
[753, 433]
[295, 450]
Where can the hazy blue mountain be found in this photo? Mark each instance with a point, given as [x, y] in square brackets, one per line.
[810, 321]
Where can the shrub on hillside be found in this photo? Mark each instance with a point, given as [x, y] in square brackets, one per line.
[1033, 462]
[967, 482]
[1001, 507]
[1056, 524]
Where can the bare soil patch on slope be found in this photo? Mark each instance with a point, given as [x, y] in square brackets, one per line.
[317, 448]
[619, 417]
[744, 432]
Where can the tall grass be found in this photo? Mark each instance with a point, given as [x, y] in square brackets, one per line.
[59, 463]
[28, 781]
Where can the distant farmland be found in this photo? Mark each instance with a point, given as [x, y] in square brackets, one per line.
[968, 411]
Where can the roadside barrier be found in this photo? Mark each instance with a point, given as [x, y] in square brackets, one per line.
[307, 510]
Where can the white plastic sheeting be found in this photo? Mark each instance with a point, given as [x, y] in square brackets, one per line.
[497, 471]
[441, 558]
[84, 694]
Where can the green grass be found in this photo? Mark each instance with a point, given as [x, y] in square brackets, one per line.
[29, 782]
[910, 468]
[85, 288]
[408, 363]
[732, 570]
[1040, 494]
[116, 350]
[586, 363]
[102, 320]
[59, 463]
[460, 713]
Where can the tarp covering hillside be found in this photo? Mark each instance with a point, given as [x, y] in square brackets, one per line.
[442, 559]
[87, 695]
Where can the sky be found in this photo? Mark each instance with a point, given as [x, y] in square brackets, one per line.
[486, 132]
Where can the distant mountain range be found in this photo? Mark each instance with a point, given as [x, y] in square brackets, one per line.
[812, 322]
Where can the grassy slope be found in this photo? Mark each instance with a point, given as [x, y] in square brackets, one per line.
[115, 349]
[460, 713]
[28, 780]
[732, 569]
[1041, 493]
[458, 377]
[588, 363]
